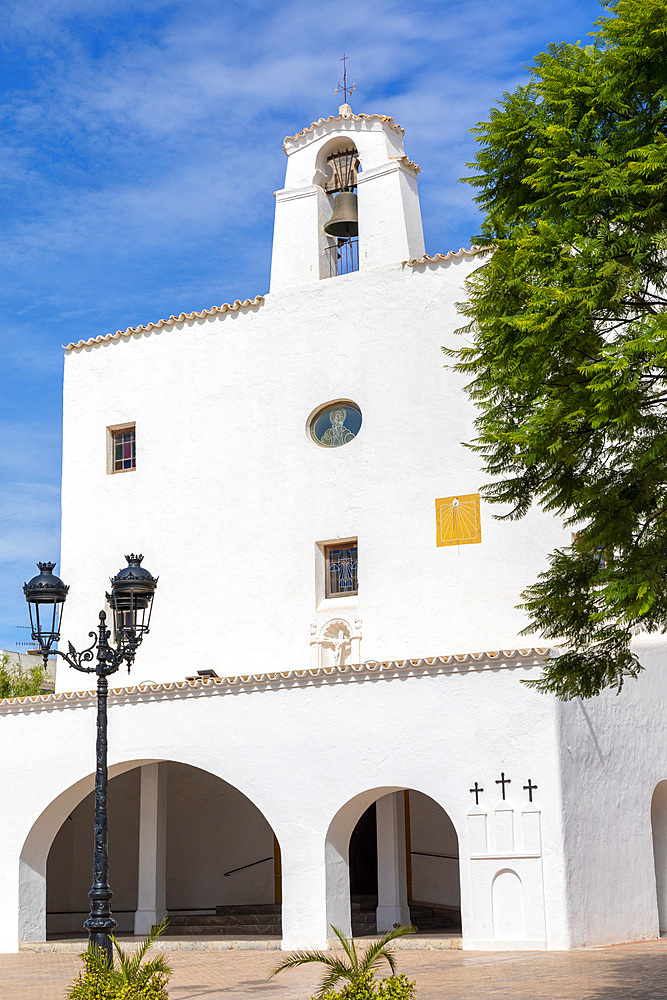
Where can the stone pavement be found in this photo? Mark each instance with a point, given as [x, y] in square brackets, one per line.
[624, 972]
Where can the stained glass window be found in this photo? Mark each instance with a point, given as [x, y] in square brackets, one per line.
[124, 449]
[336, 424]
[341, 570]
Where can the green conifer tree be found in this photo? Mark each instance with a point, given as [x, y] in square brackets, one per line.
[568, 356]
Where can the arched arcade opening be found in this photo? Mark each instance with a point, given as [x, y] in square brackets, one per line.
[659, 830]
[182, 842]
[393, 858]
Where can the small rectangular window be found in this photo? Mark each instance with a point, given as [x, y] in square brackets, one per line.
[122, 448]
[340, 569]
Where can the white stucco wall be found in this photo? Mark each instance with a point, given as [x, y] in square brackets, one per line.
[300, 750]
[230, 496]
[435, 853]
[613, 753]
[211, 829]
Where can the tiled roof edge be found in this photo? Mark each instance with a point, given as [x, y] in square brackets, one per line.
[494, 660]
[181, 318]
[410, 164]
[474, 251]
[343, 118]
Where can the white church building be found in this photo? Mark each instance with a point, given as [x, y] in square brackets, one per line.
[361, 750]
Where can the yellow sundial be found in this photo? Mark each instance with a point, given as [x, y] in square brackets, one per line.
[457, 520]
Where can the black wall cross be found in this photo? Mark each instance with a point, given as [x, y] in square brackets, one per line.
[530, 788]
[503, 781]
[476, 791]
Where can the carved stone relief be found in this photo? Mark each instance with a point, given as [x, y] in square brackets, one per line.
[335, 643]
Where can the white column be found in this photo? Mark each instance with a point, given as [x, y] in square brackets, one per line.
[304, 884]
[392, 882]
[152, 889]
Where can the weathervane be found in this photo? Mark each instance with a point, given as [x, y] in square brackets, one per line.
[343, 88]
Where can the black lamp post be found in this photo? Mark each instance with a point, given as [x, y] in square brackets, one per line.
[131, 601]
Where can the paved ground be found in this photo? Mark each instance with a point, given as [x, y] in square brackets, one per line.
[625, 972]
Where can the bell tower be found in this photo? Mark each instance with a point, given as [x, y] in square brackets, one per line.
[350, 200]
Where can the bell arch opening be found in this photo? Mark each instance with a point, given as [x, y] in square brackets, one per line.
[336, 170]
[393, 858]
[182, 842]
[659, 830]
[324, 168]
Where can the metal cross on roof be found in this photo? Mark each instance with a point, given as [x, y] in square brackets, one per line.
[343, 88]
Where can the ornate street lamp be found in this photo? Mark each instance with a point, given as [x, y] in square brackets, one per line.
[45, 595]
[130, 600]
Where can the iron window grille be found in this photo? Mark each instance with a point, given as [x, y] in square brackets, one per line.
[341, 564]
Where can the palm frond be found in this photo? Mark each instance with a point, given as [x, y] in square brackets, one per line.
[125, 961]
[349, 947]
[96, 956]
[378, 950]
[154, 933]
[359, 964]
[373, 958]
[303, 958]
[332, 980]
[150, 969]
[131, 969]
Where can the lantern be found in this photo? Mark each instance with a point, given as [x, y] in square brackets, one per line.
[45, 595]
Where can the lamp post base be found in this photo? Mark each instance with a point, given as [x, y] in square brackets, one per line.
[99, 931]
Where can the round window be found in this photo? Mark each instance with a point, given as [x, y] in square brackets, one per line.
[335, 424]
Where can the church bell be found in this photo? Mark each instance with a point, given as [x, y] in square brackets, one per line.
[345, 219]
[344, 165]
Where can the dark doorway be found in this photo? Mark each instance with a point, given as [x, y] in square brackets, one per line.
[364, 855]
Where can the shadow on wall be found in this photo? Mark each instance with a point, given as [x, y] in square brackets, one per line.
[393, 860]
[220, 851]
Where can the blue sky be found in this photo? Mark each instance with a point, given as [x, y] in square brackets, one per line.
[141, 144]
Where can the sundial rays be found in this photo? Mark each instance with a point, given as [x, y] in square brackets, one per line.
[457, 519]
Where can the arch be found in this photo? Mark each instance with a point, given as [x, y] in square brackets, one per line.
[196, 804]
[398, 823]
[36, 847]
[507, 906]
[336, 144]
[659, 831]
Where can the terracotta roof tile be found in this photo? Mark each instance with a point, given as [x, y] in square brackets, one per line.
[181, 318]
[410, 164]
[494, 660]
[344, 118]
[450, 255]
